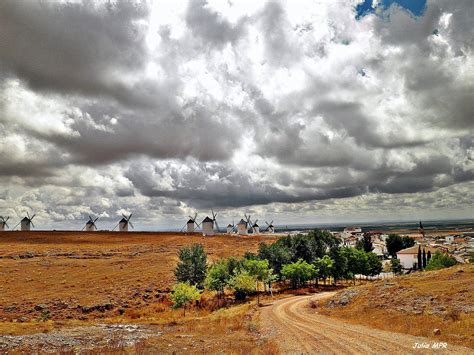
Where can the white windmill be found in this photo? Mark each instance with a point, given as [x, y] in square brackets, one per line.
[255, 227]
[270, 227]
[124, 222]
[3, 223]
[90, 225]
[208, 224]
[26, 222]
[231, 228]
[249, 224]
[191, 225]
[242, 227]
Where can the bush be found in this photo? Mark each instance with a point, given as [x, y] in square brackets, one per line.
[395, 243]
[183, 294]
[298, 273]
[396, 267]
[440, 261]
[243, 284]
[192, 266]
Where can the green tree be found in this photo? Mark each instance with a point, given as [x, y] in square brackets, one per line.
[440, 261]
[183, 294]
[428, 257]
[420, 261]
[276, 254]
[395, 243]
[396, 266]
[298, 273]
[373, 265]
[243, 284]
[218, 277]
[323, 266]
[356, 261]
[365, 244]
[339, 269]
[261, 271]
[424, 258]
[192, 266]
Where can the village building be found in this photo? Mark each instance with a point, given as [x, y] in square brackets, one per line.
[409, 257]
[207, 226]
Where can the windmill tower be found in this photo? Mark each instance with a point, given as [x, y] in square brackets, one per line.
[90, 225]
[255, 227]
[230, 228]
[207, 226]
[270, 227]
[27, 222]
[3, 223]
[191, 225]
[242, 227]
[123, 223]
[249, 224]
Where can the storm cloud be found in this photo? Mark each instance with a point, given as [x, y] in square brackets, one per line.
[299, 111]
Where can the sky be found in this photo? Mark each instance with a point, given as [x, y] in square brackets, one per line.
[292, 111]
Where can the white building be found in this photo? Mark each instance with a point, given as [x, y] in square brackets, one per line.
[255, 229]
[207, 226]
[230, 229]
[352, 230]
[449, 239]
[242, 227]
[25, 224]
[123, 225]
[90, 226]
[409, 257]
[190, 226]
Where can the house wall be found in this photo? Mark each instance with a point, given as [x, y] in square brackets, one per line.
[208, 228]
[408, 260]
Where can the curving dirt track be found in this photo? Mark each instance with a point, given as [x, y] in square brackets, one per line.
[296, 328]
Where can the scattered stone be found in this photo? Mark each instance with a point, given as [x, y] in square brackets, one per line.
[436, 331]
[41, 307]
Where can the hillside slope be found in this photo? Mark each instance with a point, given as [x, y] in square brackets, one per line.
[415, 304]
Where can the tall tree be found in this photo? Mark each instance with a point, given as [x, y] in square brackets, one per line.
[192, 265]
[428, 257]
[395, 243]
[365, 244]
[420, 262]
[424, 258]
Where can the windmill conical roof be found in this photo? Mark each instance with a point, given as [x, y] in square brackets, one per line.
[123, 220]
[207, 219]
[190, 221]
[89, 222]
[25, 219]
[242, 222]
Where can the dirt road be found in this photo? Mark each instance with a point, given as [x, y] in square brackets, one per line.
[297, 328]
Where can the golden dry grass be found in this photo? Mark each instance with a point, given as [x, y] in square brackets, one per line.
[444, 300]
[68, 270]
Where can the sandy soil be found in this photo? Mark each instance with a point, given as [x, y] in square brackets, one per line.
[297, 328]
[79, 275]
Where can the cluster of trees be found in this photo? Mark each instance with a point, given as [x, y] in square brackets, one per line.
[297, 259]
[440, 261]
[395, 243]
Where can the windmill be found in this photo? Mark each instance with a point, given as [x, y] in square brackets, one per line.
[26, 222]
[255, 227]
[208, 224]
[249, 223]
[90, 225]
[270, 227]
[3, 223]
[124, 222]
[190, 228]
[231, 228]
[242, 227]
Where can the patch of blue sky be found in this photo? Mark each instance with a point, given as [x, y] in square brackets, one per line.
[380, 7]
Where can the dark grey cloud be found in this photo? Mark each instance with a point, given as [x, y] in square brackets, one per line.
[73, 47]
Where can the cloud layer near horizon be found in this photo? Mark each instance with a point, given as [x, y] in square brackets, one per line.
[295, 111]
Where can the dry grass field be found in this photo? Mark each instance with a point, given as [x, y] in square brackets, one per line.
[414, 304]
[79, 275]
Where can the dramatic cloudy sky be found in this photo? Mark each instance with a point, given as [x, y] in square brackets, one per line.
[297, 111]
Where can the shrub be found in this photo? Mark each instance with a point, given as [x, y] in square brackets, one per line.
[192, 267]
[396, 267]
[183, 294]
[440, 261]
[243, 284]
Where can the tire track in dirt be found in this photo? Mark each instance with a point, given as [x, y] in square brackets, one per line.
[296, 330]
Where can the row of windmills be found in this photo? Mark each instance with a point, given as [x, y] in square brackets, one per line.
[27, 222]
[209, 226]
